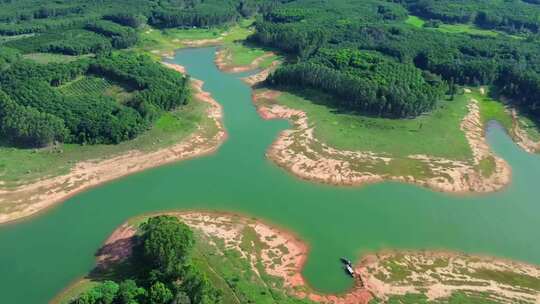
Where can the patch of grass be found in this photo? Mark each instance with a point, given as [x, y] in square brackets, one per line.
[465, 29]
[487, 166]
[243, 55]
[507, 278]
[491, 109]
[415, 21]
[397, 271]
[434, 134]
[26, 165]
[457, 28]
[45, 58]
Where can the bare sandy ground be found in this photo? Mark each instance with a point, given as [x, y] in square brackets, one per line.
[439, 274]
[31, 198]
[301, 153]
[283, 255]
[223, 61]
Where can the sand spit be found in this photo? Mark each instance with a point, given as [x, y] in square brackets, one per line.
[31, 198]
[381, 275]
[300, 152]
[223, 61]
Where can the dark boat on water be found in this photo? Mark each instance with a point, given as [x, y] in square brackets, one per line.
[348, 266]
[346, 261]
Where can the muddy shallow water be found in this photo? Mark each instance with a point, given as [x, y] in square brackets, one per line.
[41, 255]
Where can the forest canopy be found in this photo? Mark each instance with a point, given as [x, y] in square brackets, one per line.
[334, 42]
[165, 273]
[362, 52]
[38, 108]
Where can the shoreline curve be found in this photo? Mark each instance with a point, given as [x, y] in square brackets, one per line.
[36, 197]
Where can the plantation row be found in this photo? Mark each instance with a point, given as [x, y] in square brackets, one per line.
[87, 85]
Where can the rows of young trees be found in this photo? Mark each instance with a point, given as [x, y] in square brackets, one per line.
[30, 89]
[415, 59]
[165, 271]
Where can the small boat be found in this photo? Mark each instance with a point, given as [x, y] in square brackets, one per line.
[346, 261]
[349, 270]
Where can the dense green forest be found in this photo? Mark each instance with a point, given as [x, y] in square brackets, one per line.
[36, 110]
[360, 51]
[164, 272]
[335, 43]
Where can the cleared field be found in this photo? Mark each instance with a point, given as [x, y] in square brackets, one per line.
[435, 134]
[45, 58]
[95, 86]
[465, 28]
[454, 28]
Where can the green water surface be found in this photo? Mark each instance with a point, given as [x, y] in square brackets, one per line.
[42, 255]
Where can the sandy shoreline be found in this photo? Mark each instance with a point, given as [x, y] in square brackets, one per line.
[300, 152]
[32, 198]
[521, 137]
[447, 272]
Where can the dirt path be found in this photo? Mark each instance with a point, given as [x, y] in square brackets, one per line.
[29, 199]
[381, 275]
[300, 152]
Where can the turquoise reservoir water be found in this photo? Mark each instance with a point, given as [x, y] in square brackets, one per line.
[41, 255]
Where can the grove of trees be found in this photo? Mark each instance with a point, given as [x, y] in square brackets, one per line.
[166, 273]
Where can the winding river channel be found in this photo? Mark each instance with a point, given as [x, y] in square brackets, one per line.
[42, 255]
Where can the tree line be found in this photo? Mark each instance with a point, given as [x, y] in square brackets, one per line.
[307, 29]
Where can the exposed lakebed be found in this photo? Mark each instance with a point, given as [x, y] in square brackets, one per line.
[41, 255]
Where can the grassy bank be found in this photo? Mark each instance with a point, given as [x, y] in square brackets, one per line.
[19, 166]
[435, 134]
